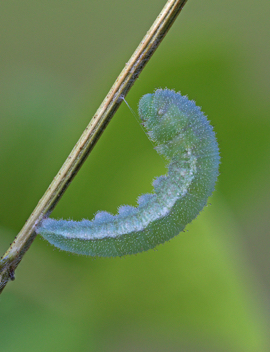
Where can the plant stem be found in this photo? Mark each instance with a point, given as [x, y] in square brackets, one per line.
[90, 136]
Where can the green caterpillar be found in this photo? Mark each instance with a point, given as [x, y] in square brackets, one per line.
[184, 136]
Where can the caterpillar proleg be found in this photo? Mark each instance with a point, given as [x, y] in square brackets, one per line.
[184, 136]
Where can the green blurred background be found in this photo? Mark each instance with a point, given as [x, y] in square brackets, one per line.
[206, 290]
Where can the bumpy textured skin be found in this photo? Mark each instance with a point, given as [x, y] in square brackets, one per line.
[184, 136]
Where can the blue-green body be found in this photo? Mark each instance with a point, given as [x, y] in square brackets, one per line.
[184, 136]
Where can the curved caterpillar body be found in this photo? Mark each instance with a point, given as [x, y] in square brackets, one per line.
[185, 137]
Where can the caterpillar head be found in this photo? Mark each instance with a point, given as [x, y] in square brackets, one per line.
[161, 115]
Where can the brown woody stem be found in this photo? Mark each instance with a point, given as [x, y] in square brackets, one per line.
[90, 136]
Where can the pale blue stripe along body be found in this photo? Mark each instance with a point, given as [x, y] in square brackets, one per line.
[184, 136]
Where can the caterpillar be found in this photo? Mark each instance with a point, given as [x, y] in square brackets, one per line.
[184, 136]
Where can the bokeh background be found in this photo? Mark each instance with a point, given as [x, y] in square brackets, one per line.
[206, 290]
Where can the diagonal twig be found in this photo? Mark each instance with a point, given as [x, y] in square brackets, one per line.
[90, 136]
